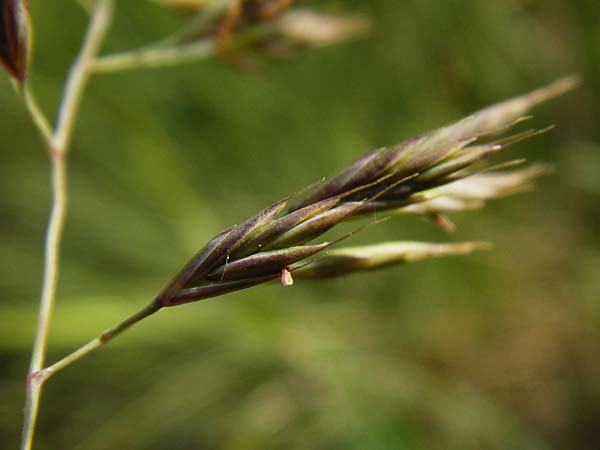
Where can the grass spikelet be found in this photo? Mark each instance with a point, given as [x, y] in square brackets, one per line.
[353, 259]
[440, 171]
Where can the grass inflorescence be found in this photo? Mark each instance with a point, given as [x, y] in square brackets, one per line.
[439, 171]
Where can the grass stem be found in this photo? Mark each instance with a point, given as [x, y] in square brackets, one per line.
[37, 115]
[59, 143]
[155, 57]
[99, 341]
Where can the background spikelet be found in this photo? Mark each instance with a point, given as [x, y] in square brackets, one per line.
[496, 350]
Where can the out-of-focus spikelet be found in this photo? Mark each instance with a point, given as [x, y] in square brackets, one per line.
[15, 30]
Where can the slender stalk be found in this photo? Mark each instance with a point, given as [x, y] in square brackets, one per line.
[99, 341]
[78, 76]
[80, 73]
[198, 22]
[169, 51]
[171, 55]
[155, 57]
[37, 115]
[85, 64]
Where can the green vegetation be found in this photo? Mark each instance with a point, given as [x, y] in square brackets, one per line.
[496, 350]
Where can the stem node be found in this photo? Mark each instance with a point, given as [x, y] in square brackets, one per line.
[37, 379]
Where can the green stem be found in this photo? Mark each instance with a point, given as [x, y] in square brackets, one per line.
[172, 55]
[59, 142]
[155, 57]
[99, 341]
[37, 115]
[203, 18]
[85, 64]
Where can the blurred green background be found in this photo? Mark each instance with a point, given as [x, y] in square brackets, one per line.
[497, 350]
